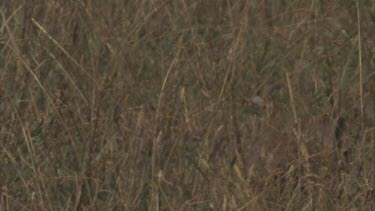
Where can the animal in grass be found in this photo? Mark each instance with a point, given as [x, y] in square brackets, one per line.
[331, 143]
[326, 153]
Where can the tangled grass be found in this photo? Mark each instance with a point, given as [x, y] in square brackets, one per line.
[187, 105]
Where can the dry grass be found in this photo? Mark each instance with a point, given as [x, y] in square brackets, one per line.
[187, 105]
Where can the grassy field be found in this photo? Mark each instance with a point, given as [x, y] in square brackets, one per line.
[187, 105]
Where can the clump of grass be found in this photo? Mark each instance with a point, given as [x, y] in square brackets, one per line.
[175, 105]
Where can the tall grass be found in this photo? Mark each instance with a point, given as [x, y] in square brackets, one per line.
[187, 105]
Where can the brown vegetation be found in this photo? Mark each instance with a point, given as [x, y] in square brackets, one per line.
[187, 105]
